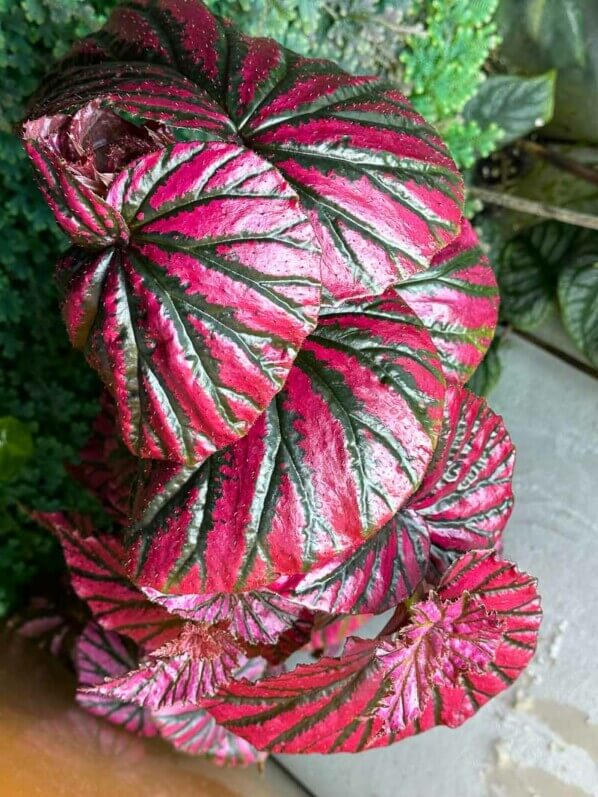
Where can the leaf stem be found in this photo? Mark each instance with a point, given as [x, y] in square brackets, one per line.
[540, 209]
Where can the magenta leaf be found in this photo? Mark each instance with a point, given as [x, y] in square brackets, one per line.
[258, 618]
[466, 497]
[192, 730]
[457, 301]
[147, 96]
[458, 649]
[83, 215]
[195, 325]
[379, 574]
[442, 640]
[343, 445]
[100, 655]
[381, 190]
[96, 565]
[190, 667]
[106, 467]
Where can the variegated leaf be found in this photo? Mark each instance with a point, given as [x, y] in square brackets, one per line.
[382, 192]
[343, 445]
[97, 570]
[100, 655]
[466, 497]
[480, 632]
[259, 618]
[192, 730]
[195, 325]
[190, 667]
[457, 301]
[378, 575]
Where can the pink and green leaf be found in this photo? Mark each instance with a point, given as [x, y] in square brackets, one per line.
[195, 325]
[101, 655]
[143, 94]
[339, 450]
[97, 569]
[475, 638]
[381, 190]
[466, 497]
[378, 575]
[258, 618]
[193, 731]
[457, 302]
[183, 671]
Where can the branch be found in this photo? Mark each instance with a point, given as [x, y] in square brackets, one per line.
[561, 161]
[540, 209]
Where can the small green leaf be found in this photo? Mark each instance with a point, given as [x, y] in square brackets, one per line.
[528, 269]
[516, 104]
[578, 300]
[488, 372]
[16, 446]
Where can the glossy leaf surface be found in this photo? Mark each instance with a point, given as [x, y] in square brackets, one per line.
[381, 190]
[475, 637]
[195, 325]
[457, 301]
[466, 497]
[344, 444]
[100, 655]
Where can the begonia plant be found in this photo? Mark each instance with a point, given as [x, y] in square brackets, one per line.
[271, 273]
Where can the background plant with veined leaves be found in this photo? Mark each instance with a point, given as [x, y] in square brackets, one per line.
[448, 58]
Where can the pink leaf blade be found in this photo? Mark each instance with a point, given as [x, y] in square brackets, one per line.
[96, 565]
[258, 618]
[338, 451]
[100, 655]
[194, 326]
[380, 691]
[378, 575]
[466, 497]
[189, 668]
[193, 731]
[457, 301]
